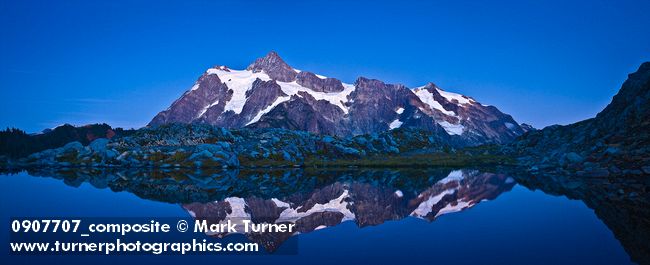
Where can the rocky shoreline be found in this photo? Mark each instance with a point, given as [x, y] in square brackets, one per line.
[206, 146]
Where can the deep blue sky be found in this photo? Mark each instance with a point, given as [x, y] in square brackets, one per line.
[120, 62]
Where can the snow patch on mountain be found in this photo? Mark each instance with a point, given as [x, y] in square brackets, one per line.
[205, 109]
[453, 96]
[239, 82]
[427, 98]
[335, 98]
[266, 110]
[395, 124]
[452, 129]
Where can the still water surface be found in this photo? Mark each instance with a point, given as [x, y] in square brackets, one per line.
[436, 216]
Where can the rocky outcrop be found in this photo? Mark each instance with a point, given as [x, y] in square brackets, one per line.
[614, 143]
[377, 105]
[303, 112]
[527, 127]
[274, 67]
[328, 84]
[208, 96]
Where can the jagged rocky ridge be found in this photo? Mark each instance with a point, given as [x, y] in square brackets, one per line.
[272, 94]
[615, 142]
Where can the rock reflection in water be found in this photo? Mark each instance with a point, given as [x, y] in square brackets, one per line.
[623, 204]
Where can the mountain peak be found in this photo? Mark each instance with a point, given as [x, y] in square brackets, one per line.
[273, 66]
[431, 85]
[273, 55]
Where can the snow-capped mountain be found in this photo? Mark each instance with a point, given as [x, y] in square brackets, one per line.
[270, 93]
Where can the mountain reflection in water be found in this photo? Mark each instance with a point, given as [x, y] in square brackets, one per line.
[315, 199]
[362, 202]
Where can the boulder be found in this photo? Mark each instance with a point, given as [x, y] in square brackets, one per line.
[72, 146]
[98, 145]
